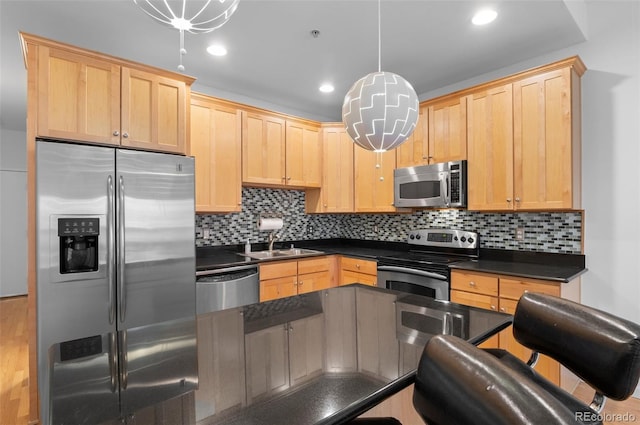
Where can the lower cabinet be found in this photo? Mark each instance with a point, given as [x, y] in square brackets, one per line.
[286, 278]
[357, 270]
[283, 356]
[501, 293]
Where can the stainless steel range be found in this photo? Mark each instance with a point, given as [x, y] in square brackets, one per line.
[424, 268]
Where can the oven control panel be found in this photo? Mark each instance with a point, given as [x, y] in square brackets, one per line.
[444, 238]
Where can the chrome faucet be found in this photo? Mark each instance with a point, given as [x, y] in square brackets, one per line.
[272, 239]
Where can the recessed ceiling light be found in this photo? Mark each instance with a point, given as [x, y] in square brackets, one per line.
[217, 50]
[484, 16]
[326, 88]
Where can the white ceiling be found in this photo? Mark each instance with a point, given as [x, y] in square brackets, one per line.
[272, 56]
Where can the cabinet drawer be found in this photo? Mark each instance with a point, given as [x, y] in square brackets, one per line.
[313, 265]
[478, 283]
[513, 288]
[347, 277]
[359, 265]
[474, 300]
[276, 270]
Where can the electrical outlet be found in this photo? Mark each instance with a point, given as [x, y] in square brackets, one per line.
[519, 233]
[206, 233]
[309, 230]
[375, 228]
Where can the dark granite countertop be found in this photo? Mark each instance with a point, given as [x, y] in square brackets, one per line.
[323, 357]
[535, 265]
[527, 264]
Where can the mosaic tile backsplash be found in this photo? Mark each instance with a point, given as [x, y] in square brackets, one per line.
[559, 232]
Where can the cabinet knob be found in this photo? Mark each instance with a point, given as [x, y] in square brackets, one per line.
[493, 307]
[284, 177]
[502, 309]
[300, 283]
[325, 205]
[472, 284]
[517, 199]
[508, 199]
[116, 133]
[357, 266]
[288, 178]
[381, 178]
[125, 135]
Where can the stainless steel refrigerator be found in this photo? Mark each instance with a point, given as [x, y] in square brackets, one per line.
[115, 281]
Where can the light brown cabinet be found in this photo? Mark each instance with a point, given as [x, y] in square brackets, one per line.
[357, 270]
[277, 152]
[336, 194]
[286, 278]
[415, 150]
[373, 180]
[501, 293]
[88, 97]
[524, 142]
[215, 143]
[440, 136]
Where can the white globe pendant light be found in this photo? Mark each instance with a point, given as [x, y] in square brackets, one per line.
[380, 111]
[194, 16]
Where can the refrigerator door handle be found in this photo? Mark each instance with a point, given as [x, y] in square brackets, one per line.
[122, 345]
[113, 361]
[111, 249]
[122, 305]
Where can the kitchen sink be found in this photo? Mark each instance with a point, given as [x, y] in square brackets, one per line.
[281, 253]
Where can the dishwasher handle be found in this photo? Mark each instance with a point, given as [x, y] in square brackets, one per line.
[225, 275]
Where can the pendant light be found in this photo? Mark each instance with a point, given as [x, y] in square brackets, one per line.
[380, 111]
[194, 16]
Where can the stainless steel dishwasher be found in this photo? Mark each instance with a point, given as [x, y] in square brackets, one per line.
[227, 288]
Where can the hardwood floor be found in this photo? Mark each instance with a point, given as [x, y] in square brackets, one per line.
[14, 372]
[14, 364]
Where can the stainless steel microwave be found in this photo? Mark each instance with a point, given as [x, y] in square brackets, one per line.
[436, 185]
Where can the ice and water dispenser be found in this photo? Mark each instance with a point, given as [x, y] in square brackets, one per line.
[78, 244]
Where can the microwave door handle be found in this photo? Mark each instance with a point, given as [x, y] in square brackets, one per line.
[444, 188]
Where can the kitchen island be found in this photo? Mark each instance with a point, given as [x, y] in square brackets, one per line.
[323, 357]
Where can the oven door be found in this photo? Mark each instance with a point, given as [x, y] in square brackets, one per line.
[422, 189]
[419, 282]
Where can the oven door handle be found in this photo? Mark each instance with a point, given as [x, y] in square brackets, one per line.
[411, 271]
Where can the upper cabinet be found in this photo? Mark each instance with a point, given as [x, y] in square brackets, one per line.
[524, 141]
[415, 150]
[278, 152]
[215, 142]
[440, 136]
[89, 97]
[303, 154]
[490, 165]
[336, 195]
[373, 188]
[447, 130]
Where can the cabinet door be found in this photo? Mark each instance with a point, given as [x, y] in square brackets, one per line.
[481, 301]
[154, 112]
[216, 145]
[78, 97]
[267, 362]
[543, 150]
[448, 130]
[272, 289]
[490, 144]
[374, 180]
[221, 384]
[546, 366]
[337, 172]
[303, 161]
[313, 282]
[306, 348]
[415, 150]
[263, 149]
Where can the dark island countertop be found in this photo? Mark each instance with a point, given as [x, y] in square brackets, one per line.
[324, 357]
[526, 264]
